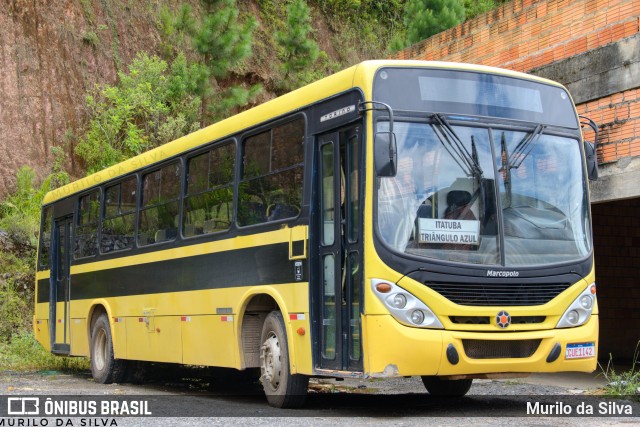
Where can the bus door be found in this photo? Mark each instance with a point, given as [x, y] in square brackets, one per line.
[338, 286]
[59, 297]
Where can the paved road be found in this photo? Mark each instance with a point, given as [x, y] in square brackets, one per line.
[185, 398]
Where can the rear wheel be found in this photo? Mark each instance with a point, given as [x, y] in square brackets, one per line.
[282, 389]
[438, 386]
[105, 369]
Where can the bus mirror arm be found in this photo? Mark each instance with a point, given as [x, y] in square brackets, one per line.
[385, 147]
[590, 149]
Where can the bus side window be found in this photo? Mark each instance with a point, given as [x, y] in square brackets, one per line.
[160, 194]
[86, 233]
[208, 204]
[118, 220]
[272, 174]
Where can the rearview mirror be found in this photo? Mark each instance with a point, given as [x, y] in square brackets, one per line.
[386, 154]
[592, 160]
[590, 148]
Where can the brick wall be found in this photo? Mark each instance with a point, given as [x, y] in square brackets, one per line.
[525, 34]
[618, 117]
[617, 248]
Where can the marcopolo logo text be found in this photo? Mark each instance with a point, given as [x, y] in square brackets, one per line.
[495, 273]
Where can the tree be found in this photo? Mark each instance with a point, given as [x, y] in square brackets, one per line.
[299, 52]
[425, 18]
[474, 8]
[224, 42]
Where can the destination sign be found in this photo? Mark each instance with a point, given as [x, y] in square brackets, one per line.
[449, 231]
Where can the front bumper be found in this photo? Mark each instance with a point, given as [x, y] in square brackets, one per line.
[393, 349]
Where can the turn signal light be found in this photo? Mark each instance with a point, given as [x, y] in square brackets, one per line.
[383, 288]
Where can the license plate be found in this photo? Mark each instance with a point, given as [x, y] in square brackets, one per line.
[580, 351]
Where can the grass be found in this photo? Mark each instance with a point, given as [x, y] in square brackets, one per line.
[91, 39]
[24, 353]
[624, 383]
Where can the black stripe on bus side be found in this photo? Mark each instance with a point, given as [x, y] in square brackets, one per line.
[268, 264]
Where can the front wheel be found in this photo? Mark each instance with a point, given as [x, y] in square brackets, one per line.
[282, 389]
[105, 369]
[438, 386]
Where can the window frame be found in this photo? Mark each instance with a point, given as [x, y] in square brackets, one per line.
[78, 217]
[179, 160]
[233, 185]
[302, 165]
[135, 211]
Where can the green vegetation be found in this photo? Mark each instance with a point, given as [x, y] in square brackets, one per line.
[429, 17]
[91, 38]
[152, 104]
[474, 8]
[24, 353]
[425, 18]
[222, 42]
[19, 222]
[625, 383]
[299, 52]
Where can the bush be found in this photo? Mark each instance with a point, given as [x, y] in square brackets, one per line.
[19, 228]
[151, 105]
[91, 39]
[24, 353]
[20, 211]
[15, 308]
[625, 383]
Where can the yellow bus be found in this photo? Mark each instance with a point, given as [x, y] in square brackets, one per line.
[399, 218]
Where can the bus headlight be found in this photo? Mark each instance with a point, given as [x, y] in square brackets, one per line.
[586, 301]
[580, 310]
[399, 301]
[403, 306]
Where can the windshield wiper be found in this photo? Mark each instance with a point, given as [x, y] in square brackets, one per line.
[524, 147]
[456, 147]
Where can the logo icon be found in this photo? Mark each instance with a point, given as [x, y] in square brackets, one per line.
[23, 406]
[503, 319]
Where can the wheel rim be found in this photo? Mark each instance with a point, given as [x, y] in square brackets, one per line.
[271, 363]
[100, 350]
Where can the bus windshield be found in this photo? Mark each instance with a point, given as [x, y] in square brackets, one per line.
[470, 194]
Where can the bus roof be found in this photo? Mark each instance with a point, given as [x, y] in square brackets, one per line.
[360, 75]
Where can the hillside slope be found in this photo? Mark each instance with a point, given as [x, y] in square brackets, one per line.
[52, 53]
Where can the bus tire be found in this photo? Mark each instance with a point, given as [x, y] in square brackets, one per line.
[282, 389]
[105, 369]
[438, 386]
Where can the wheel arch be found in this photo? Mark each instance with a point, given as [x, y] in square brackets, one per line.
[256, 305]
[97, 308]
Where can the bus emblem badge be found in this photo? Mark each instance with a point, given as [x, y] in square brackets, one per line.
[503, 319]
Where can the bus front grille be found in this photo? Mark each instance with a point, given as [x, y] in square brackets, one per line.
[488, 349]
[485, 320]
[486, 295]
